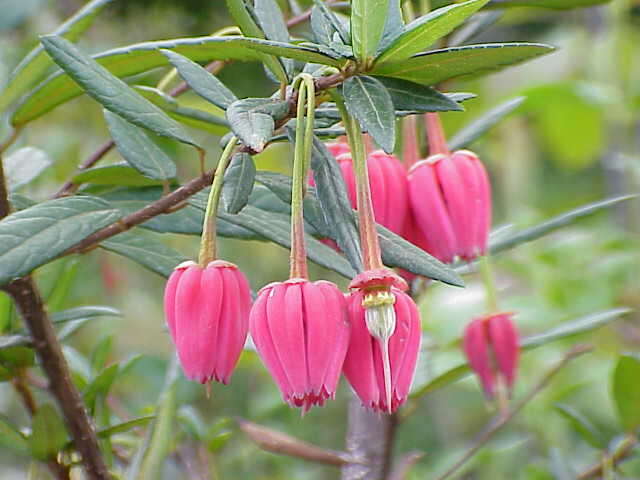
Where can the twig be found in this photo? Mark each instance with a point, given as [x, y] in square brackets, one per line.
[5, 207]
[52, 361]
[69, 187]
[502, 419]
[402, 469]
[625, 449]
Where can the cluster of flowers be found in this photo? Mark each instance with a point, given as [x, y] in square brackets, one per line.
[308, 333]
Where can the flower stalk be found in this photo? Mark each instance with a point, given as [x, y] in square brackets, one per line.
[435, 135]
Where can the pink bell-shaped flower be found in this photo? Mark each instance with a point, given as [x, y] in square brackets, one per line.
[385, 340]
[492, 348]
[301, 332]
[207, 311]
[450, 198]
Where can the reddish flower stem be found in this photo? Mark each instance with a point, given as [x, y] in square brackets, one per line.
[435, 134]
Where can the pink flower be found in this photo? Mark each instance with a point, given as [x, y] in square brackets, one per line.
[450, 198]
[338, 148]
[207, 311]
[492, 348]
[385, 340]
[301, 332]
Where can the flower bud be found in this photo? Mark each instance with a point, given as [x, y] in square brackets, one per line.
[450, 198]
[492, 348]
[207, 312]
[301, 332]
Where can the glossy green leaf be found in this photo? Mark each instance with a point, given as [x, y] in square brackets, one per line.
[48, 433]
[564, 219]
[574, 327]
[368, 18]
[369, 101]
[11, 438]
[476, 128]
[65, 278]
[125, 426]
[24, 165]
[436, 66]
[138, 58]
[394, 25]
[137, 148]
[415, 97]
[253, 120]
[203, 82]
[111, 92]
[238, 182]
[34, 236]
[88, 311]
[626, 391]
[116, 174]
[425, 30]
[582, 426]
[34, 66]
[145, 250]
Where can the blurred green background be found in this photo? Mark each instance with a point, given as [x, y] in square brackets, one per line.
[574, 139]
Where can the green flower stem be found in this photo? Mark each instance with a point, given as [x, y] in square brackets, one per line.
[208, 241]
[435, 134]
[302, 159]
[372, 258]
[489, 283]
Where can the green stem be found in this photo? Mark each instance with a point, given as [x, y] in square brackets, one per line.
[489, 283]
[208, 241]
[435, 134]
[372, 258]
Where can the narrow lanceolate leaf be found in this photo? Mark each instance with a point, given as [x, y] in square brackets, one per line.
[138, 58]
[424, 31]
[626, 391]
[438, 65]
[271, 20]
[203, 82]
[48, 433]
[116, 174]
[326, 24]
[146, 251]
[24, 165]
[80, 313]
[368, 18]
[415, 97]
[469, 133]
[582, 426]
[11, 438]
[34, 236]
[369, 101]
[554, 223]
[253, 120]
[138, 149]
[238, 182]
[114, 95]
[35, 65]
[125, 426]
[394, 25]
[573, 327]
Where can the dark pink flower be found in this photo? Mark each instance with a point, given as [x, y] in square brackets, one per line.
[301, 332]
[207, 311]
[492, 348]
[450, 198]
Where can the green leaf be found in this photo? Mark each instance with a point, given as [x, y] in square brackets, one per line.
[253, 120]
[369, 101]
[10, 341]
[100, 386]
[24, 165]
[108, 90]
[17, 356]
[271, 20]
[35, 65]
[574, 327]
[101, 352]
[191, 117]
[476, 128]
[79, 313]
[582, 426]
[368, 18]
[48, 435]
[325, 24]
[626, 391]
[203, 82]
[551, 4]
[146, 251]
[125, 426]
[436, 66]
[116, 174]
[533, 233]
[424, 31]
[238, 182]
[415, 97]
[34, 236]
[138, 58]
[394, 25]
[139, 150]
[65, 278]
[6, 308]
[11, 438]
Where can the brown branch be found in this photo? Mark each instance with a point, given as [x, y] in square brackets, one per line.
[502, 419]
[69, 187]
[52, 361]
[625, 449]
[5, 207]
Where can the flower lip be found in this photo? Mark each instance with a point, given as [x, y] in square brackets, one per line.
[430, 160]
[378, 278]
